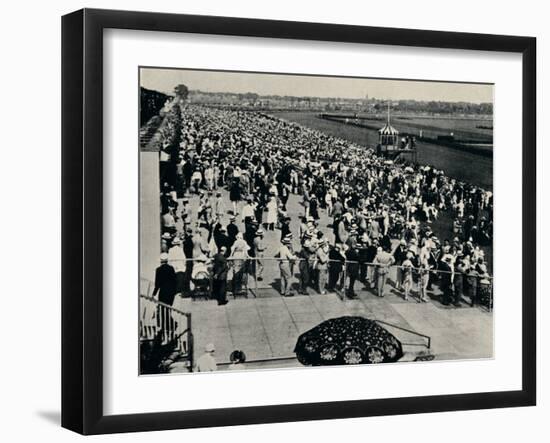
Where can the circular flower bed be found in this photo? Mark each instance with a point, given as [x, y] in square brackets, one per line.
[347, 341]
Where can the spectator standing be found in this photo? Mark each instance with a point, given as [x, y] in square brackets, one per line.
[406, 273]
[446, 284]
[399, 256]
[206, 362]
[424, 279]
[383, 261]
[219, 276]
[239, 254]
[336, 265]
[352, 270]
[271, 213]
[322, 266]
[165, 281]
[285, 257]
[259, 251]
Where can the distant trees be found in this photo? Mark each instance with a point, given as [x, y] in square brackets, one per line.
[401, 106]
[442, 107]
[181, 91]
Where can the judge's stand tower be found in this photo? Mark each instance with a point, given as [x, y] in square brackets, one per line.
[393, 148]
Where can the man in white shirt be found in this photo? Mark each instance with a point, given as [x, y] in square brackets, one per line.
[383, 261]
[176, 256]
[248, 210]
[206, 362]
[168, 222]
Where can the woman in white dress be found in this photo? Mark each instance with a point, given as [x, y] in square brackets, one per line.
[239, 254]
[271, 213]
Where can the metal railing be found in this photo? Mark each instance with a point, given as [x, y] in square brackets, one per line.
[256, 274]
[410, 331]
[175, 324]
[171, 324]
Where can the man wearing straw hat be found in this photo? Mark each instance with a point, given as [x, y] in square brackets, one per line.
[176, 258]
[383, 261]
[322, 266]
[259, 249]
[285, 257]
[304, 266]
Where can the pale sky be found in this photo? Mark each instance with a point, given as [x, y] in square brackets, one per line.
[164, 80]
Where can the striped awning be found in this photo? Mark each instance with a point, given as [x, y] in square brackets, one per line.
[388, 130]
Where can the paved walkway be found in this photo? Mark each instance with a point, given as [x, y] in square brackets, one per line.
[267, 327]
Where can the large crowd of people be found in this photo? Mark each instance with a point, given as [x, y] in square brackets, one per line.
[239, 169]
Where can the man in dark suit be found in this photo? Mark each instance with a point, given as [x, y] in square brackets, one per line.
[399, 255]
[165, 281]
[362, 253]
[285, 227]
[187, 173]
[352, 269]
[232, 231]
[335, 267]
[220, 237]
[446, 282]
[219, 276]
[188, 251]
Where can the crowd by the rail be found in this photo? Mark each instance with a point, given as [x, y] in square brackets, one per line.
[382, 213]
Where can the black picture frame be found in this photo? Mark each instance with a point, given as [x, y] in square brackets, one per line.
[82, 220]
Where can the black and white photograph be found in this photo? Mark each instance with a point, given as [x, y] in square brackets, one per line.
[300, 220]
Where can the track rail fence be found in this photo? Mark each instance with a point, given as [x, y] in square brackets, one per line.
[256, 275]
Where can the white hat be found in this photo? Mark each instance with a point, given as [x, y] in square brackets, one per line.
[163, 257]
[210, 347]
